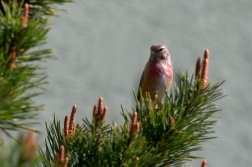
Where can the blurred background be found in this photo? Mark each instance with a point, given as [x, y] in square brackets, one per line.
[102, 48]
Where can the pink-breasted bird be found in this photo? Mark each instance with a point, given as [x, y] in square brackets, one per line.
[158, 73]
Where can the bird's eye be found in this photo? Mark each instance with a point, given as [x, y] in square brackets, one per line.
[160, 50]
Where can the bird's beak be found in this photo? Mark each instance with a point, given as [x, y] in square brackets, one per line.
[153, 52]
[152, 57]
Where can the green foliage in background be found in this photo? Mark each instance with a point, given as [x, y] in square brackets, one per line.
[22, 73]
[21, 58]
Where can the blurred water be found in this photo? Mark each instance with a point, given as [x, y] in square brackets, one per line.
[102, 48]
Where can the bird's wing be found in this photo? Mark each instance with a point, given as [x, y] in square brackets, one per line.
[140, 84]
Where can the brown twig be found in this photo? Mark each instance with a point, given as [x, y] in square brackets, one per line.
[171, 121]
[12, 63]
[104, 114]
[25, 16]
[204, 74]
[60, 159]
[66, 126]
[69, 128]
[135, 126]
[13, 51]
[204, 163]
[100, 113]
[197, 68]
[72, 120]
[155, 99]
[30, 146]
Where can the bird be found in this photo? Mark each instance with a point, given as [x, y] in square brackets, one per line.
[157, 75]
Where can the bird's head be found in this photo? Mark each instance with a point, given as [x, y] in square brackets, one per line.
[159, 52]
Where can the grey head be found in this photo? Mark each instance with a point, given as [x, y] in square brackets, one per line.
[159, 52]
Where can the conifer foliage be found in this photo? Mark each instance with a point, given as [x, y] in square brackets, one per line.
[159, 134]
[24, 26]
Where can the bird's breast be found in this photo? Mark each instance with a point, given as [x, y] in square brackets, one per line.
[157, 77]
[159, 69]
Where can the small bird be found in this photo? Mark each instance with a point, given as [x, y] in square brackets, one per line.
[157, 74]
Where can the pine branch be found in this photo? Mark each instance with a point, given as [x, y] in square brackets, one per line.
[22, 153]
[159, 134]
[46, 7]
[24, 27]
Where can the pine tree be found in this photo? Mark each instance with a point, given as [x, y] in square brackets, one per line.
[24, 28]
[160, 134]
